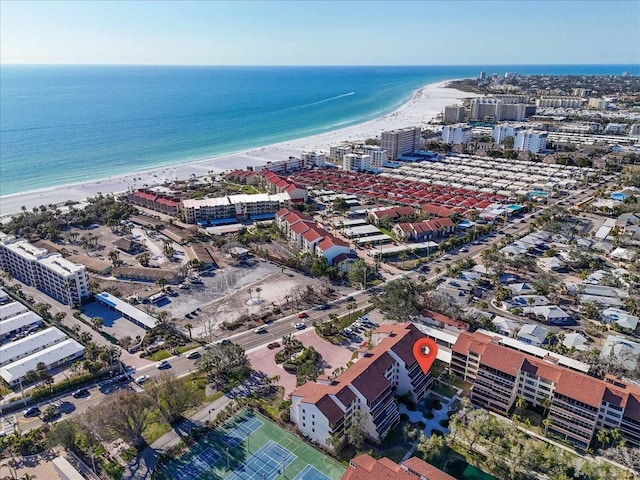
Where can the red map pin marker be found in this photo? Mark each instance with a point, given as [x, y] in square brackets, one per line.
[425, 352]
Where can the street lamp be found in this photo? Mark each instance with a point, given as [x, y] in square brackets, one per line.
[227, 449]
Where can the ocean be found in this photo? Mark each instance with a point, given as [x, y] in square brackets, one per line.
[67, 124]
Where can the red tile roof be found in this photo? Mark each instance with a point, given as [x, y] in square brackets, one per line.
[427, 470]
[365, 467]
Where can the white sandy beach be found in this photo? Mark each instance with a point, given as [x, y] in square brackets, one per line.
[424, 105]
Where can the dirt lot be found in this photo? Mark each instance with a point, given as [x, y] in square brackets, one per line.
[225, 296]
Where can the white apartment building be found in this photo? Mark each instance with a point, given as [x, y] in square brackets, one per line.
[453, 114]
[51, 273]
[339, 151]
[242, 205]
[500, 108]
[401, 142]
[459, 134]
[378, 155]
[597, 104]
[530, 141]
[500, 132]
[314, 157]
[356, 163]
[559, 102]
[19, 323]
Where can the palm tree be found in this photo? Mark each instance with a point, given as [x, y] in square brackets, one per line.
[162, 283]
[250, 292]
[114, 255]
[258, 290]
[603, 436]
[189, 326]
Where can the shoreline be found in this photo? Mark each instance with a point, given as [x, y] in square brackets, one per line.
[425, 103]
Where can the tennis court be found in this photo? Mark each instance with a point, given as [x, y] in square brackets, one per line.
[311, 473]
[266, 464]
[251, 447]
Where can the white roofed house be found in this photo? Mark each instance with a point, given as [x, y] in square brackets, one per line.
[550, 264]
[621, 350]
[506, 326]
[532, 334]
[621, 317]
[575, 341]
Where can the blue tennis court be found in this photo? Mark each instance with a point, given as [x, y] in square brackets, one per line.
[241, 431]
[266, 464]
[311, 473]
[198, 464]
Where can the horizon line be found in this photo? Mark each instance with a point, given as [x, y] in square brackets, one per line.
[313, 65]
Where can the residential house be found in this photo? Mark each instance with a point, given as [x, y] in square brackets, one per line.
[442, 321]
[623, 318]
[393, 213]
[575, 341]
[532, 334]
[620, 349]
[505, 326]
[155, 201]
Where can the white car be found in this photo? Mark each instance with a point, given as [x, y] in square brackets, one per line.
[300, 326]
[162, 364]
[260, 330]
[142, 379]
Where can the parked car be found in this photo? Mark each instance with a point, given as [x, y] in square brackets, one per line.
[142, 379]
[273, 345]
[81, 392]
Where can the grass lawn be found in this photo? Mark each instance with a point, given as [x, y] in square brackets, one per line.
[248, 444]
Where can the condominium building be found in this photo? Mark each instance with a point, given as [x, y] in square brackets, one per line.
[51, 273]
[559, 102]
[401, 142]
[378, 155]
[453, 114]
[597, 104]
[500, 108]
[365, 467]
[530, 141]
[328, 407]
[314, 157]
[500, 132]
[242, 206]
[578, 404]
[339, 151]
[155, 201]
[356, 163]
[307, 236]
[459, 134]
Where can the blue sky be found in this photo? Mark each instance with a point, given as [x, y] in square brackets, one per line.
[320, 33]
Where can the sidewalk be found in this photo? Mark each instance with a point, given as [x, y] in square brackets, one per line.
[147, 460]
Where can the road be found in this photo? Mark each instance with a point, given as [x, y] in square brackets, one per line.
[179, 366]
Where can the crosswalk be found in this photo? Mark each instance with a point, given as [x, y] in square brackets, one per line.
[8, 425]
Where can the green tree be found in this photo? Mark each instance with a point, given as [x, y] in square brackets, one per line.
[354, 433]
[225, 365]
[431, 449]
[172, 396]
[144, 259]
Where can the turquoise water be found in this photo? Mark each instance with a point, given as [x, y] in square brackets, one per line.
[65, 124]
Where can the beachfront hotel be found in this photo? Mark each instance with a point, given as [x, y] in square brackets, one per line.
[459, 134]
[50, 273]
[328, 406]
[578, 404]
[401, 142]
